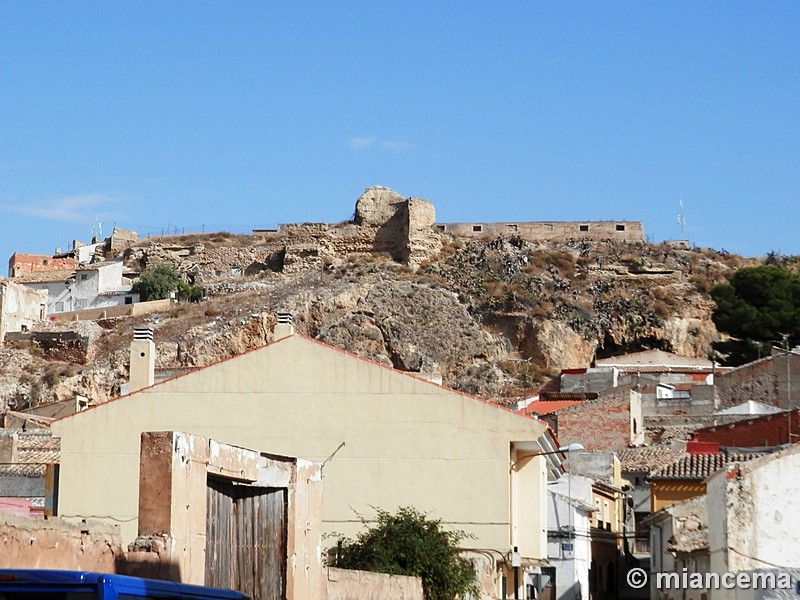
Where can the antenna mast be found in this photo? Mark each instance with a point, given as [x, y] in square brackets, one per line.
[681, 217]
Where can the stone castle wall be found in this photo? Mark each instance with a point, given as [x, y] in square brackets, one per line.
[404, 229]
[554, 231]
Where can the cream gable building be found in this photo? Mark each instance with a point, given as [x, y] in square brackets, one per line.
[386, 439]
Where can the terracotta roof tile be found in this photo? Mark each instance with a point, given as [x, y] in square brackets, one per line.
[649, 459]
[699, 466]
[551, 396]
[22, 470]
[545, 407]
[43, 276]
[95, 266]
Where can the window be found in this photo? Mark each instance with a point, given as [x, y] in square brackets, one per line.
[584, 227]
[477, 228]
[128, 300]
[440, 227]
[84, 277]
[620, 227]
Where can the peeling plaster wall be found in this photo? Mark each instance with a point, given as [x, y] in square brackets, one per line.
[20, 306]
[172, 505]
[763, 521]
[759, 524]
[27, 543]
[343, 584]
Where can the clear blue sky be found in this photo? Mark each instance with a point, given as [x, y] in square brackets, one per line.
[241, 114]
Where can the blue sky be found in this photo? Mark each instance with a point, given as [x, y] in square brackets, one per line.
[241, 115]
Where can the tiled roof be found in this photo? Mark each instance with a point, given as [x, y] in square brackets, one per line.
[699, 466]
[43, 276]
[34, 450]
[550, 396]
[96, 266]
[37, 441]
[545, 407]
[22, 470]
[649, 459]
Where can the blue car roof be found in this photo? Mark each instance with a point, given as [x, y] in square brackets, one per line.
[20, 577]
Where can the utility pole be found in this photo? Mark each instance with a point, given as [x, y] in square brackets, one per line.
[788, 357]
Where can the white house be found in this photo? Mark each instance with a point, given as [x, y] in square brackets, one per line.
[101, 285]
[753, 521]
[97, 285]
[569, 545]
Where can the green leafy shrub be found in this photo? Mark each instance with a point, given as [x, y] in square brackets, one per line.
[408, 543]
[159, 282]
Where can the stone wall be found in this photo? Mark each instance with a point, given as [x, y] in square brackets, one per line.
[120, 240]
[343, 584]
[384, 223]
[420, 241]
[555, 231]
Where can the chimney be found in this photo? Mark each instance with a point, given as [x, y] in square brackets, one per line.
[143, 359]
[284, 327]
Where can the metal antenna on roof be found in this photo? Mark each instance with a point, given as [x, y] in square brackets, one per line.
[681, 217]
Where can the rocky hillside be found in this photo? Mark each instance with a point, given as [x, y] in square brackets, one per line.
[494, 317]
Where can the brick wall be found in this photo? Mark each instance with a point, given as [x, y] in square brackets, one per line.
[765, 380]
[770, 430]
[602, 424]
[19, 264]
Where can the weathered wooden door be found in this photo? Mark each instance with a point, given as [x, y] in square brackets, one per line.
[246, 539]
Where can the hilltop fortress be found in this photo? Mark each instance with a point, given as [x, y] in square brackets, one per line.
[384, 223]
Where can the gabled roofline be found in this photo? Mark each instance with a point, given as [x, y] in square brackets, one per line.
[328, 347]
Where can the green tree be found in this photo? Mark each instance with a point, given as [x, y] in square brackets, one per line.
[408, 543]
[157, 283]
[756, 307]
[190, 292]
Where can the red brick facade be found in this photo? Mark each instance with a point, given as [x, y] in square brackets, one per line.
[603, 424]
[769, 430]
[19, 264]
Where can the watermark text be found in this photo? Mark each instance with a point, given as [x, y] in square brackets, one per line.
[684, 580]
